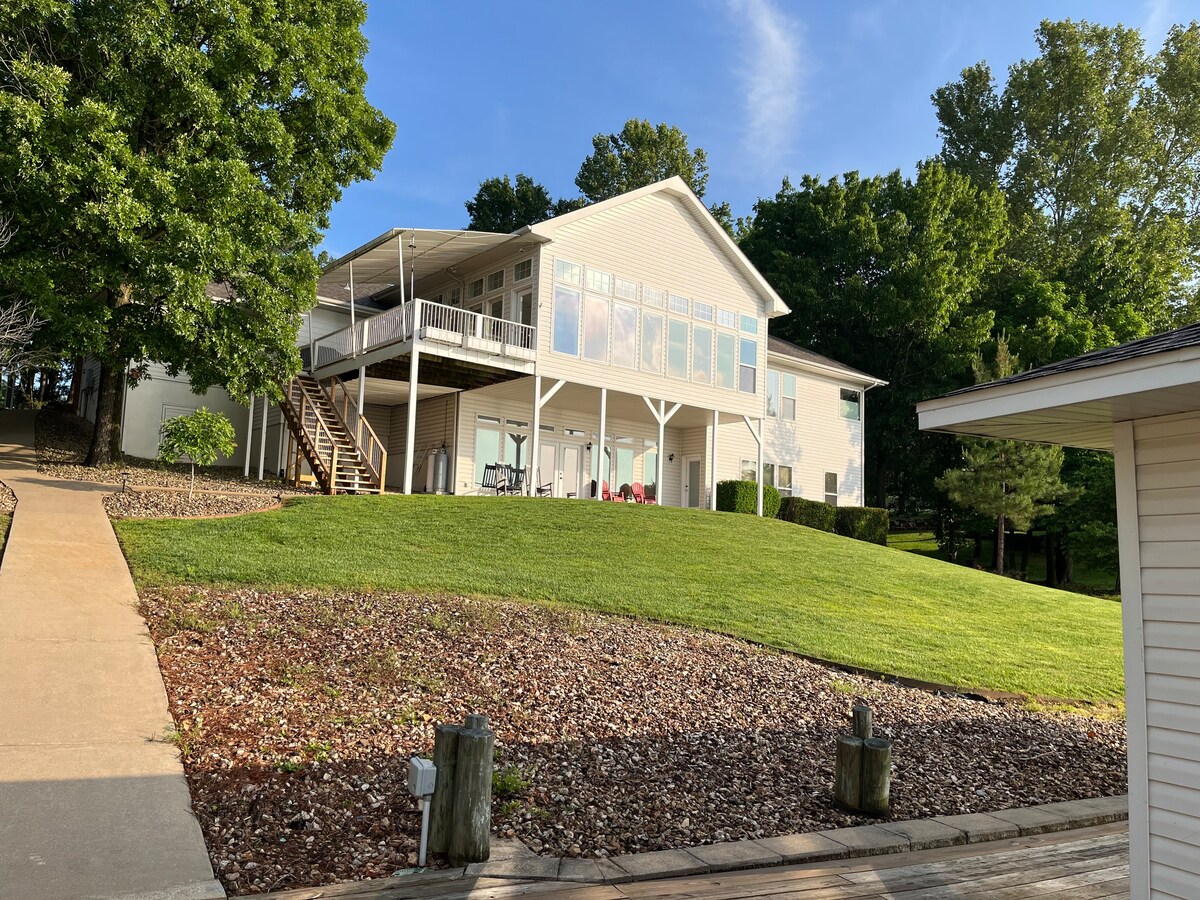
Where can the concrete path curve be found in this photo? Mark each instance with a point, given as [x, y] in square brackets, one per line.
[93, 801]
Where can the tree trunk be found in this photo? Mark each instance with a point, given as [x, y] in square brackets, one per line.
[1051, 559]
[1025, 554]
[76, 384]
[107, 428]
[1000, 545]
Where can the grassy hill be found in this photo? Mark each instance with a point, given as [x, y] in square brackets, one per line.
[767, 581]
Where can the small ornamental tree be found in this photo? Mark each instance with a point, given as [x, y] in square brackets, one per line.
[201, 437]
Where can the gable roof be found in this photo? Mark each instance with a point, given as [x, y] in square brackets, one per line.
[678, 188]
[1179, 339]
[803, 355]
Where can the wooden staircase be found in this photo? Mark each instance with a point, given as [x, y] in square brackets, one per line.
[332, 436]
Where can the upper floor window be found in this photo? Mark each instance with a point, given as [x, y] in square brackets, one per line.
[652, 342]
[679, 304]
[726, 360]
[601, 282]
[595, 328]
[677, 348]
[749, 324]
[727, 318]
[772, 393]
[787, 396]
[565, 329]
[455, 297]
[624, 335]
[475, 289]
[626, 290]
[851, 404]
[653, 296]
[702, 348]
[523, 270]
[568, 272]
[748, 366]
[495, 281]
[702, 311]
[525, 309]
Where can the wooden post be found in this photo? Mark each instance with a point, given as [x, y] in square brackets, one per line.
[876, 775]
[470, 840]
[441, 811]
[862, 722]
[847, 771]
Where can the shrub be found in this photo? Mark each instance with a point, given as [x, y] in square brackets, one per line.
[812, 513]
[742, 496]
[201, 436]
[863, 523]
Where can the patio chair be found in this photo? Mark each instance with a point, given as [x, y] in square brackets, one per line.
[514, 480]
[492, 478]
[639, 494]
[542, 490]
[606, 494]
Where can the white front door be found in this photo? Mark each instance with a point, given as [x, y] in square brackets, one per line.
[692, 481]
[547, 471]
[570, 470]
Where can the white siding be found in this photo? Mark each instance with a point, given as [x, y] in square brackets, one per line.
[1167, 454]
[656, 242]
[435, 426]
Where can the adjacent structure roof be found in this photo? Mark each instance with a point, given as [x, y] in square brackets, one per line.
[804, 355]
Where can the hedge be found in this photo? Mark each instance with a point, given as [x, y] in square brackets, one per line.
[742, 496]
[863, 523]
[812, 513]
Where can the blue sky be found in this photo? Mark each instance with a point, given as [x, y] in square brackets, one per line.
[767, 87]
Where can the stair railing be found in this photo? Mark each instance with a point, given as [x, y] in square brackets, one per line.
[371, 449]
[318, 433]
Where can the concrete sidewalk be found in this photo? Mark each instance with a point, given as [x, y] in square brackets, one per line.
[93, 801]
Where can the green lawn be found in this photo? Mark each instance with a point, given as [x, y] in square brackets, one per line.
[767, 581]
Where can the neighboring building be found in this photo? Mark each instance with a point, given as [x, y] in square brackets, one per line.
[635, 324]
[1141, 401]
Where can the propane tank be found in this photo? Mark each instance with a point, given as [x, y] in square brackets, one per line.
[441, 471]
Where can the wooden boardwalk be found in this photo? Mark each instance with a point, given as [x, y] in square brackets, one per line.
[1086, 864]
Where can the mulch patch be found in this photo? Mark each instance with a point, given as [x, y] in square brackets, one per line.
[296, 714]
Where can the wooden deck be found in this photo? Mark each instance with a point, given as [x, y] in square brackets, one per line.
[1087, 864]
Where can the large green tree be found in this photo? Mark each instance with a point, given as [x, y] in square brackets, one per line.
[883, 273]
[1096, 146]
[503, 206]
[151, 150]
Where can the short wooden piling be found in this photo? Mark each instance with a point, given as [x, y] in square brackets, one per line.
[862, 722]
[441, 808]
[847, 769]
[876, 776]
[470, 837]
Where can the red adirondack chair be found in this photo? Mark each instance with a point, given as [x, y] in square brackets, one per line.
[606, 494]
[639, 494]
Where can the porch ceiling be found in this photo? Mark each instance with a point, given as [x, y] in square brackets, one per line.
[385, 392]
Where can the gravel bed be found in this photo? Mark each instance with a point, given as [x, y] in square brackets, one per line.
[8, 500]
[63, 439]
[146, 504]
[296, 713]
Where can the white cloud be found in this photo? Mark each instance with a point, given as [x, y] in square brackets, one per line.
[772, 70]
[1159, 18]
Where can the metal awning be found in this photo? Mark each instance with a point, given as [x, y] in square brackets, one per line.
[378, 266]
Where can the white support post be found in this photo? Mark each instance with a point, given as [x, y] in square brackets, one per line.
[262, 439]
[536, 437]
[756, 433]
[661, 452]
[282, 429]
[712, 472]
[249, 438]
[410, 438]
[362, 390]
[353, 330]
[601, 475]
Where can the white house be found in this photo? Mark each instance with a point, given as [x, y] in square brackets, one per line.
[1141, 401]
[635, 325]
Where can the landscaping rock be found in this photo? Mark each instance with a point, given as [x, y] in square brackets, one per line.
[613, 737]
[146, 504]
[8, 500]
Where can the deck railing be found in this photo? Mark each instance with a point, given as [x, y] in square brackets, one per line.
[371, 449]
[436, 322]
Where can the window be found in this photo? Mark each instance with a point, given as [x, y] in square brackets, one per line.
[702, 348]
[653, 296]
[783, 480]
[677, 347]
[650, 468]
[495, 308]
[515, 444]
[487, 450]
[624, 467]
[523, 270]
[568, 272]
[702, 311]
[679, 304]
[496, 281]
[607, 476]
[749, 470]
[600, 282]
[769, 473]
[748, 367]
[831, 488]
[726, 361]
[565, 337]
[475, 289]
[749, 324]
[624, 337]
[726, 318]
[455, 296]
[787, 402]
[626, 290]
[525, 306]
[595, 329]
[772, 393]
[851, 404]
[436, 299]
[652, 342]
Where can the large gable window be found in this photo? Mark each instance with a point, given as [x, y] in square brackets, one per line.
[726, 360]
[652, 342]
[565, 338]
[568, 272]
[702, 348]
[624, 336]
[595, 329]
[677, 349]
[748, 366]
